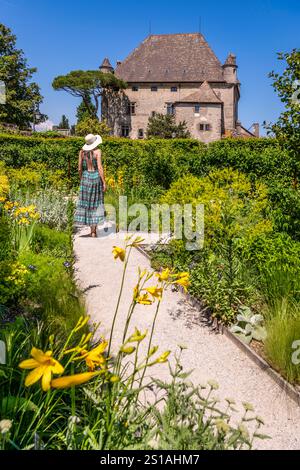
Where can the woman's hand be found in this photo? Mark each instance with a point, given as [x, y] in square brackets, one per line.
[104, 187]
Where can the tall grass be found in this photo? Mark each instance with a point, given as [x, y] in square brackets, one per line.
[281, 289]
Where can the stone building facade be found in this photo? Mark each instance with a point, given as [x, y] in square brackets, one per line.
[175, 74]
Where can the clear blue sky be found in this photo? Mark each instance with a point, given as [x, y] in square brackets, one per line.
[60, 36]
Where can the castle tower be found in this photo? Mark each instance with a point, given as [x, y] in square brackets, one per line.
[230, 69]
[106, 66]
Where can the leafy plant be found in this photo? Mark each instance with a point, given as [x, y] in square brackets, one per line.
[249, 326]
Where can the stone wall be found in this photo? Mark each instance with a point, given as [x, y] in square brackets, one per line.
[210, 114]
[221, 117]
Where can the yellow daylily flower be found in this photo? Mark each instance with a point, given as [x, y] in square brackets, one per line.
[43, 365]
[164, 275]
[95, 357]
[73, 380]
[119, 253]
[144, 299]
[155, 291]
[137, 336]
[183, 279]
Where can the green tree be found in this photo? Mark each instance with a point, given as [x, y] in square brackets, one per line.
[164, 127]
[89, 86]
[64, 123]
[22, 95]
[83, 112]
[91, 125]
[287, 86]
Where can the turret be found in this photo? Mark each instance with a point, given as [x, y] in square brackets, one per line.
[230, 69]
[106, 66]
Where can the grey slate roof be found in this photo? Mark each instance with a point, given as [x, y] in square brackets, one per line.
[205, 94]
[171, 58]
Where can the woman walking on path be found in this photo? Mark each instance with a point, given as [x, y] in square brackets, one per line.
[90, 205]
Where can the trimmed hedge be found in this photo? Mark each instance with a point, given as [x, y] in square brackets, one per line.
[156, 162]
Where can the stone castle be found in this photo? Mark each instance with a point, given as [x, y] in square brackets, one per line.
[175, 74]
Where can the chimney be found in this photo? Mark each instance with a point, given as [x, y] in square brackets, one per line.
[256, 129]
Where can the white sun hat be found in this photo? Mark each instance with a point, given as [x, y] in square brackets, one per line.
[91, 142]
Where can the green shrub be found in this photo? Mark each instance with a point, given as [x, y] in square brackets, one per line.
[51, 290]
[233, 207]
[50, 240]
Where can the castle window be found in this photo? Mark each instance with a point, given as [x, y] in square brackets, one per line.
[141, 133]
[197, 108]
[170, 108]
[174, 89]
[154, 88]
[135, 88]
[132, 109]
[205, 127]
[125, 131]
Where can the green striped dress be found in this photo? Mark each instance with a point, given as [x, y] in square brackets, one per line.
[90, 204]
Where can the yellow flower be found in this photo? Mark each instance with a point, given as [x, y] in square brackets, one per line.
[164, 275]
[155, 291]
[183, 280]
[119, 253]
[43, 365]
[163, 358]
[73, 380]
[144, 299]
[95, 357]
[137, 336]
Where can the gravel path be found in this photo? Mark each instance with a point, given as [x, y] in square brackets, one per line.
[210, 355]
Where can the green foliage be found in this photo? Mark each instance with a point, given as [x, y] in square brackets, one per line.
[88, 85]
[36, 176]
[90, 125]
[106, 416]
[51, 204]
[283, 333]
[83, 112]
[233, 207]
[286, 85]
[22, 95]
[64, 123]
[13, 285]
[249, 326]
[52, 292]
[164, 126]
[50, 241]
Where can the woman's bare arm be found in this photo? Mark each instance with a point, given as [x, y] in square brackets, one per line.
[100, 168]
[80, 164]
